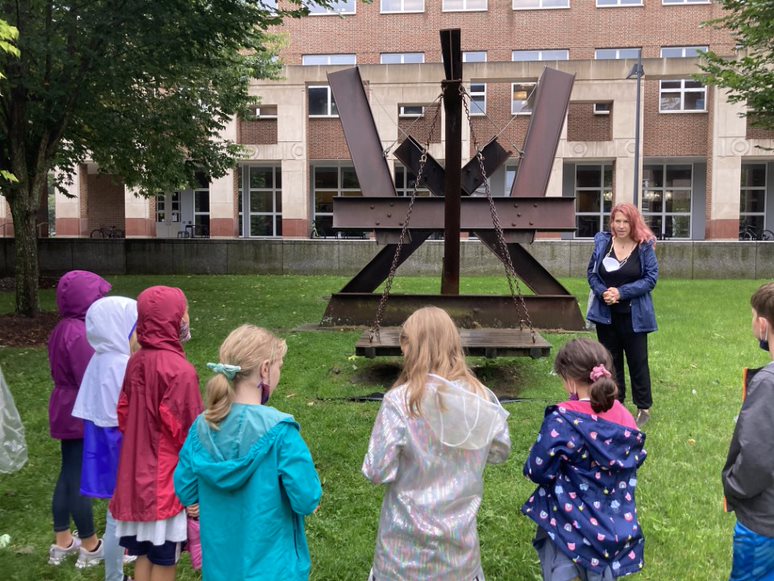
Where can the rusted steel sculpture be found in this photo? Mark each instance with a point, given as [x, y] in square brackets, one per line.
[501, 223]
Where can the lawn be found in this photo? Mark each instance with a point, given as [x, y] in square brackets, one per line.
[696, 361]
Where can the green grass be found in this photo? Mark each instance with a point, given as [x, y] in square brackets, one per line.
[696, 361]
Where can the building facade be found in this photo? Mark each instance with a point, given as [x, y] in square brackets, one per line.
[704, 172]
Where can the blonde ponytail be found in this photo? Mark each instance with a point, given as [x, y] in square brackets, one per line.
[220, 396]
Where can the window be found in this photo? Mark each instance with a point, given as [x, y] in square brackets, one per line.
[463, 5]
[478, 56]
[682, 96]
[593, 198]
[520, 93]
[201, 212]
[535, 4]
[752, 206]
[405, 179]
[477, 99]
[685, 1]
[263, 204]
[540, 55]
[676, 52]
[666, 199]
[411, 111]
[401, 58]
[337, 7]
[606, 3]
[328, 182]
[602, 54]
[265, 112]
[321, 103]
[161, 207]
[603, 108]
[403, 6]
[270, 4]
[328, 59]
[510, 177]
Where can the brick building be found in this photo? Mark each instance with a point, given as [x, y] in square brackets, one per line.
[703, 168]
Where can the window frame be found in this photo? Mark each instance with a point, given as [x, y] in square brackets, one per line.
[477, 110]
[466, 56]
[618, 56]
[465, 8]
[540, 7]
[514, 84]
[684, 2]
[602, 111]
[743, 215]
[618, 4]
[331, 103]
[683, 50]
[403, 9]
[663, 214]
[601, 189]
[682, 90]
[402, 56]
[404, 114]
[540, 53]
[330, 57]
[316, 10]
[340, 190]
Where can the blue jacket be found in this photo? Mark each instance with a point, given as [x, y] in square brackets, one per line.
[254, 480]
[638, 292]
[586, 469]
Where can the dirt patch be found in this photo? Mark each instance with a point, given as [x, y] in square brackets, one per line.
[8, 283]
[18, 331]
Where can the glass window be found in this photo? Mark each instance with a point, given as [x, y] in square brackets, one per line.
[337, 7]
[405, 180]
[401, 58]
[602, 54]
[676, 52]
[411, 111]
[403, 6]
[329, 182]
[603, 108]
[667, 191]
[593, 198]
[534, 4]
[520, 93]
[201, 212]
[752, 201]
[321, 103]
[681, 96]
[685, 1]
[477, 99]
[540, 55]
[605, 3]
[460, 5]
[478, 56]
[328, 59]
[263, 204]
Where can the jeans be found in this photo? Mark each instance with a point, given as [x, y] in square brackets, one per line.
[67, 499]
[753, 556]
[114, 553]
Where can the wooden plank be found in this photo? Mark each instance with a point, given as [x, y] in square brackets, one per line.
[488, 343]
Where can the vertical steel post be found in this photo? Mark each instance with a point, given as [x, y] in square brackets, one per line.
[452, 106]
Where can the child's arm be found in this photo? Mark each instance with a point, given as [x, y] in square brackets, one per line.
[387, 438]
[186, 482]
[181, 404]
[297, 472]
[549, 451]
[753, 469]
[501, 444]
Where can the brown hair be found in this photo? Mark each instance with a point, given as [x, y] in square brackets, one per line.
[431, 344]
[763, 302]
[248, 347]
[577, 359]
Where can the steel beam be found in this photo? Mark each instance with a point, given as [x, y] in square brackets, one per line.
[468, 311]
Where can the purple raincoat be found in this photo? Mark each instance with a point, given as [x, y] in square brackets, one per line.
[69, 351]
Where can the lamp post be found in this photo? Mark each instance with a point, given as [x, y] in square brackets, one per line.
[639, 72]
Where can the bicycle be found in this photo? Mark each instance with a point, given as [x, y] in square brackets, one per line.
[748, 232]
[111, 232]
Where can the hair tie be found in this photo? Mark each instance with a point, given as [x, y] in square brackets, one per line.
[598, 372]
[229, 371]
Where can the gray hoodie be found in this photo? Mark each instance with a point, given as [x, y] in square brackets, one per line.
[748, 477]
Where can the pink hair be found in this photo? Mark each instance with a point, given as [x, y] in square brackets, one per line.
[639, 229]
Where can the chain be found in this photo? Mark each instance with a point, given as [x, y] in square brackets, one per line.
[510, 271]
[375, 329]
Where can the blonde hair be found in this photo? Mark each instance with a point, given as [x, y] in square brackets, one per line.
[431, 344]
[248, 347]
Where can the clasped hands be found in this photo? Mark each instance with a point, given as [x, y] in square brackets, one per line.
[611, 296]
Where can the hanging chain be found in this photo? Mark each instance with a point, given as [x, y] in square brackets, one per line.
[510, 271]
[376, 328]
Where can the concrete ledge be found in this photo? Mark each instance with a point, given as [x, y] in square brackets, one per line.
[563, 258]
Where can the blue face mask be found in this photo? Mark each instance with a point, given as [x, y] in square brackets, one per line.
[574, 397]
[764, 343]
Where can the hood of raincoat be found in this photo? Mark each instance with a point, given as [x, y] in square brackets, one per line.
[77, 290]
[461, 418]
[160, 310]
[230, 455]
[109, 323]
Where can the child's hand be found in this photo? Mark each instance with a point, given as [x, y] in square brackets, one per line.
[193, 510]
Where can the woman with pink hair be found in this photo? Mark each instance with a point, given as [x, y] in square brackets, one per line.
[622, 272]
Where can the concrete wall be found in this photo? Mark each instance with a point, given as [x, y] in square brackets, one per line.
[563, 258]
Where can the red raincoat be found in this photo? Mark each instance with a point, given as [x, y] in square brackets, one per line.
[159, 401]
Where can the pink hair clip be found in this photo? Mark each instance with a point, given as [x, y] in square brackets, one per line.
[599, 371]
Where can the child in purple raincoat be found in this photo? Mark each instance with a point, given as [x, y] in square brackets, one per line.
[585, 463]
[69, 353]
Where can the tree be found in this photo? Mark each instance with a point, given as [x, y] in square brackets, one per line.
[141, 87]
[750, 76]
[8, 35]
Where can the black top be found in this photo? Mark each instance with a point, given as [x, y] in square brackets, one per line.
[629, 272]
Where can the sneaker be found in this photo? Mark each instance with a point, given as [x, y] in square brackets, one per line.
[90, 558]
[643, 417]
[57, 554]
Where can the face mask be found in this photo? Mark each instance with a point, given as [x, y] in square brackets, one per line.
[764, 343]
[185, 332]
[574, 397]
[265, 395]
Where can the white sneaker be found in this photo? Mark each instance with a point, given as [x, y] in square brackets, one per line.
[90, 558]
[57, 554]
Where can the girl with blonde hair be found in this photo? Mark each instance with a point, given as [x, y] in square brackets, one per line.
[245, 458]
[437, 429]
